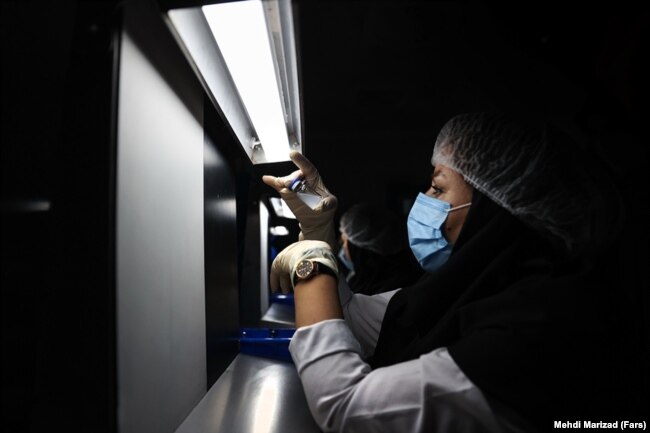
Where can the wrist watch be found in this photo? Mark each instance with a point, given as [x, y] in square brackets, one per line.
[306, 269]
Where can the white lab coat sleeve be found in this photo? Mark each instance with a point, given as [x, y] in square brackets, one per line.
[364, 314]
[428, 394]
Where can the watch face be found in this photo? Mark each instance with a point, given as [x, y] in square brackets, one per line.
[304, 269]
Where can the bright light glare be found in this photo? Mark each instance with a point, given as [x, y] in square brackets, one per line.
[241, 33]
[281, 208]
[279, 231]
[266, 412]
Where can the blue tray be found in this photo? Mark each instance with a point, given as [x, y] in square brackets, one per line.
[281, 298]
[266, 342]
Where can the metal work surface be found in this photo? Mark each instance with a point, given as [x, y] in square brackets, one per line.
[279, 315]
[254, 395]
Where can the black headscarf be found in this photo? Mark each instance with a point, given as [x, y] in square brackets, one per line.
[534, 329]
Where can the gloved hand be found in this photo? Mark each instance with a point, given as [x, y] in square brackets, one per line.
[315, 224]
[284, 265]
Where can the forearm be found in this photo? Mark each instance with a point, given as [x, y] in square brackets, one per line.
[316, 300]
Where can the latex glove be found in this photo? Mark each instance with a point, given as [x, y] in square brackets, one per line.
[284, 265]
[315, 224]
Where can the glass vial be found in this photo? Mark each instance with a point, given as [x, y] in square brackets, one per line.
[301, 185]
[305, 192]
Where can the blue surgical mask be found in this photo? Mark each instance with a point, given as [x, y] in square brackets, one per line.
[344, 259]
[426, 239]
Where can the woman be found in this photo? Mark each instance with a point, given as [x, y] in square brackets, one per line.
[517, 324]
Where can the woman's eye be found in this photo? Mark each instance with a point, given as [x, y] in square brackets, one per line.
[436, 190]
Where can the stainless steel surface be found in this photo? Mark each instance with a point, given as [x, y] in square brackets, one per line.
[279, 315]
[254, 395]
[264, 259]
[160, 263]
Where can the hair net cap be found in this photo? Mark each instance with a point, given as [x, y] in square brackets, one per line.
[529, 168]
[374, 228]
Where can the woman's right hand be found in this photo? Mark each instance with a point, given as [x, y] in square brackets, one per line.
[315, 224]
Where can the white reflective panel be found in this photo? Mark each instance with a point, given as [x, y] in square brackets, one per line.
[241, 33]
[281, 208]
[160, 262]
[279, 231]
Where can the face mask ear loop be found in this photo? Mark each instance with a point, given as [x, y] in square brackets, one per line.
[459, 207]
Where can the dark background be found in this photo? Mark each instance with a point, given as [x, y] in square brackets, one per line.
[379, 79]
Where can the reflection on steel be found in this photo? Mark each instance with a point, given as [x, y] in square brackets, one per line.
[25, 206]
[254, 395]
[279, 315]
[281, 208]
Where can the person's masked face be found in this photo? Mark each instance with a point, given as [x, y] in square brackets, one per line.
[344, 253]
[437, 217]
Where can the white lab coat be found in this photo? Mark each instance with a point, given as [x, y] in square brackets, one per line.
[428, 394]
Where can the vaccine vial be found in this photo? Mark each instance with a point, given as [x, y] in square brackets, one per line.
[301, 185]
[305, 192]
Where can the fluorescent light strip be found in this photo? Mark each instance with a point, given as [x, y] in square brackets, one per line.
[240, 31]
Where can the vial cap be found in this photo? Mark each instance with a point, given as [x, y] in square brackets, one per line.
[295, 184]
